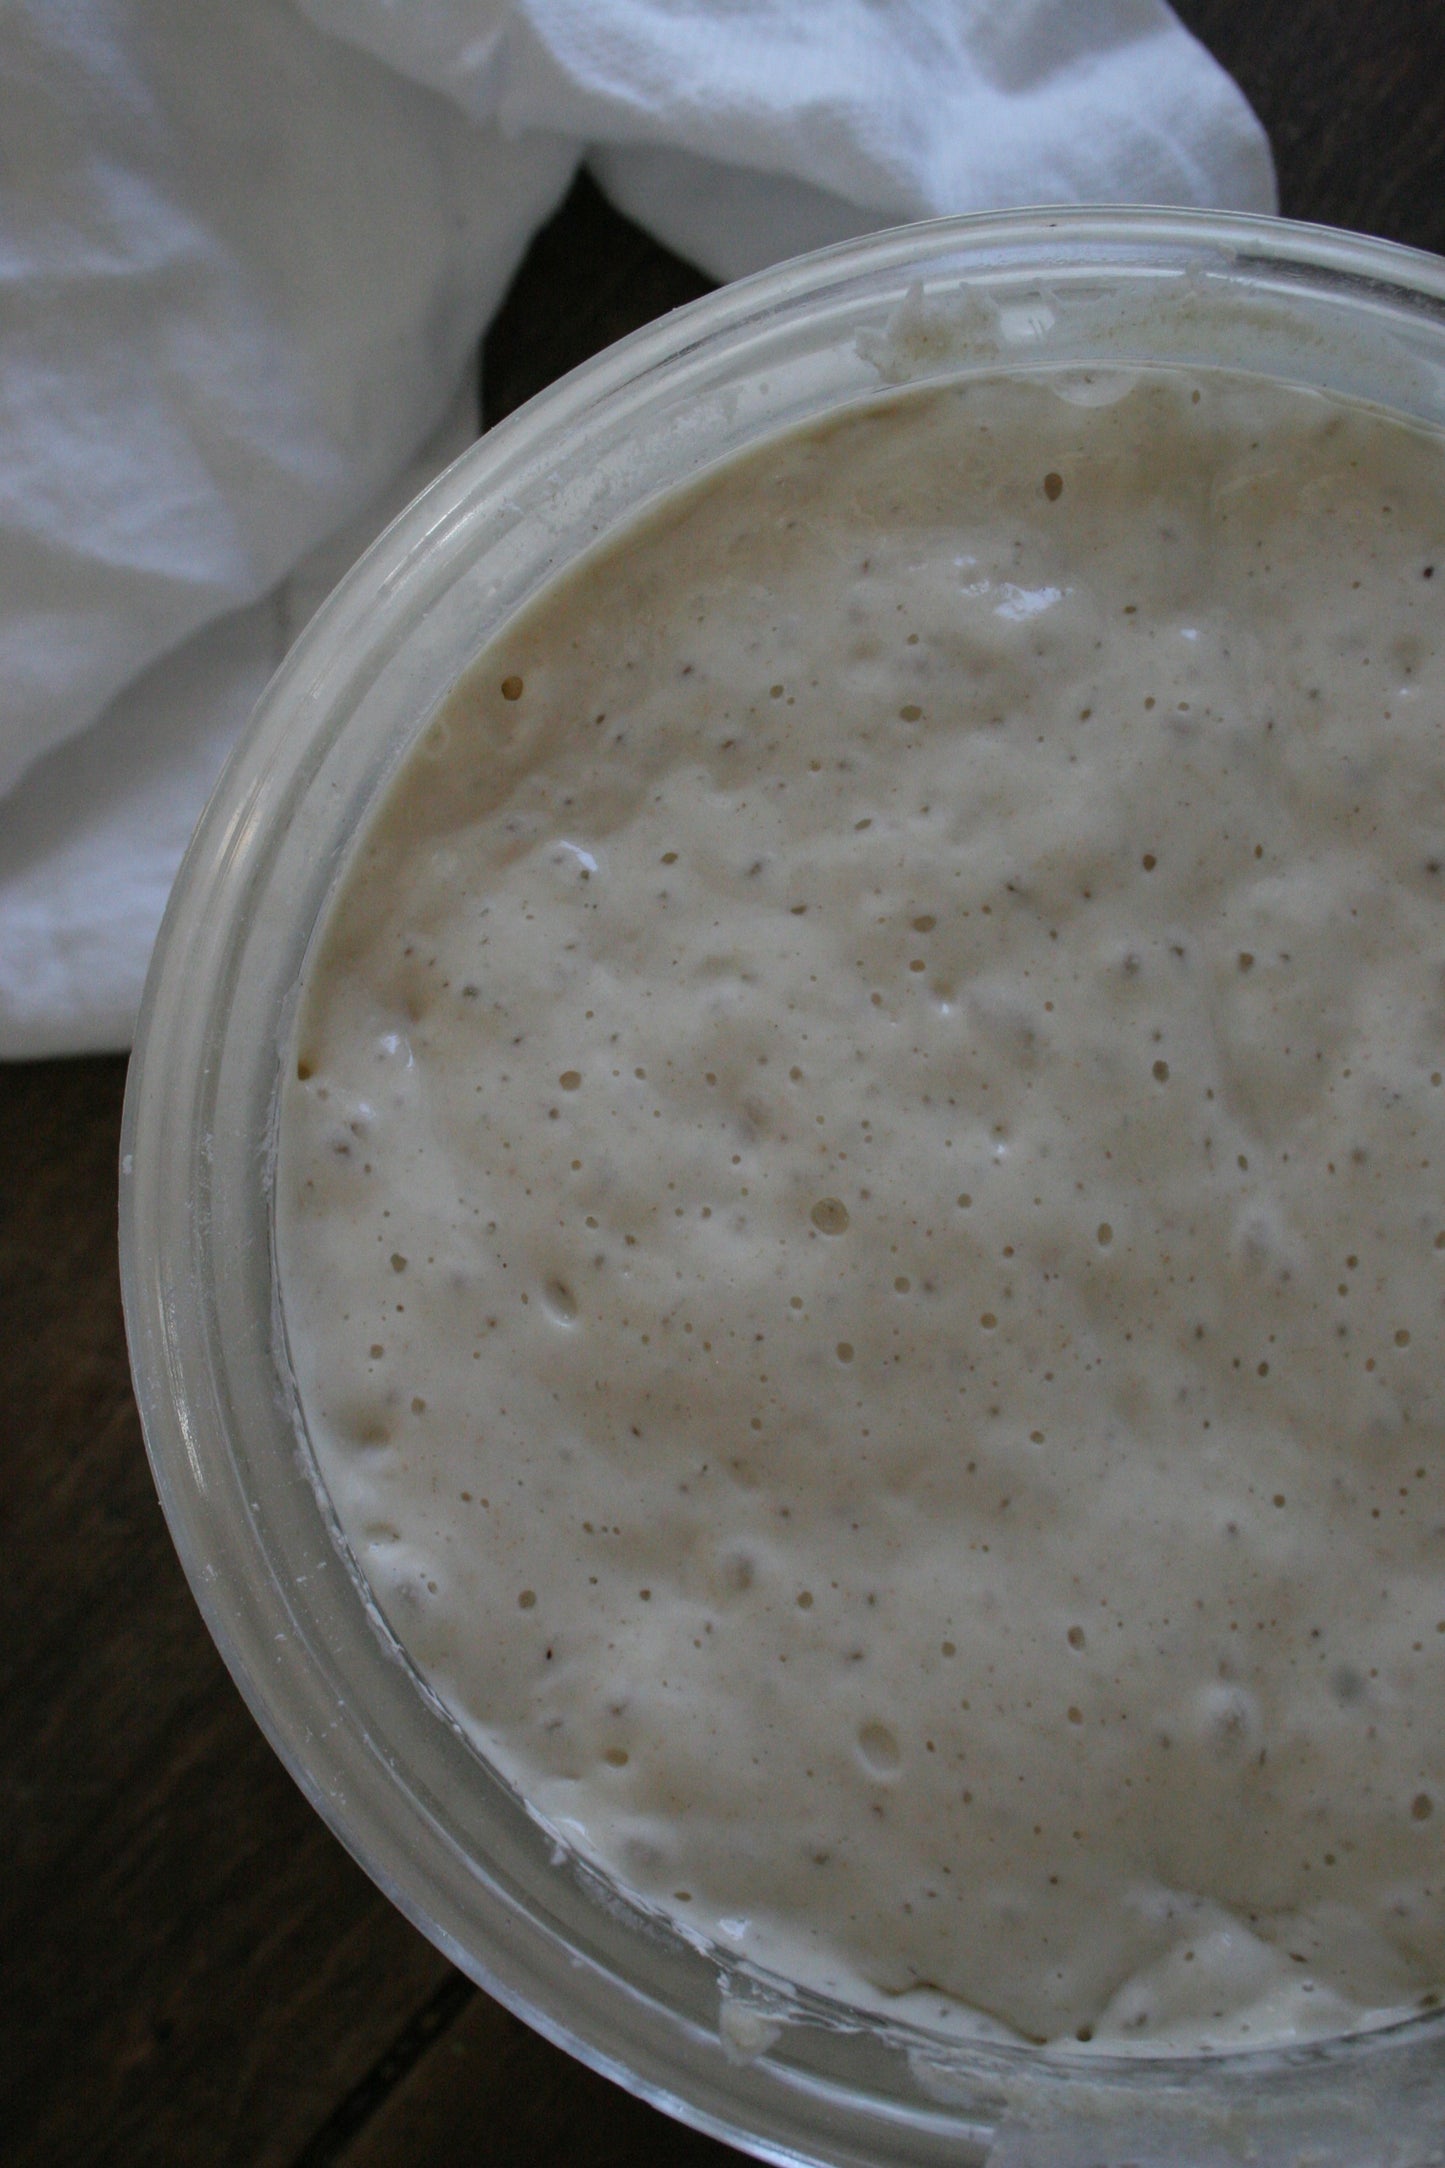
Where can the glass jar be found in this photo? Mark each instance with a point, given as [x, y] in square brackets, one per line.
[777, 2070]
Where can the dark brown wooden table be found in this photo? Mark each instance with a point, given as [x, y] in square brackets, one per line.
[191, 1968]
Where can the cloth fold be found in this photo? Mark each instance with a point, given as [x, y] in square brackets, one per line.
[846, 115]
[245, 259]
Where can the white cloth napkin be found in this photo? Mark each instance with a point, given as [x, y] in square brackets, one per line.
[245, 258]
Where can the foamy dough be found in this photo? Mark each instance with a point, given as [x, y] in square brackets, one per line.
[860, 1207]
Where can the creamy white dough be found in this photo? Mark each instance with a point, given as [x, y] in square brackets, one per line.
[860, 1207]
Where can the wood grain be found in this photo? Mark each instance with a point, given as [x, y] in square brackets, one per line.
[489, 2089]
[193, 1970]
[588, 279]
[1353, 99]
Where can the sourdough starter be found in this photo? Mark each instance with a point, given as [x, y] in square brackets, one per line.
[860, 1207]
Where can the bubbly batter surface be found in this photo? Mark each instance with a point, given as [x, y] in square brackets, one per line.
[860, 1206]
